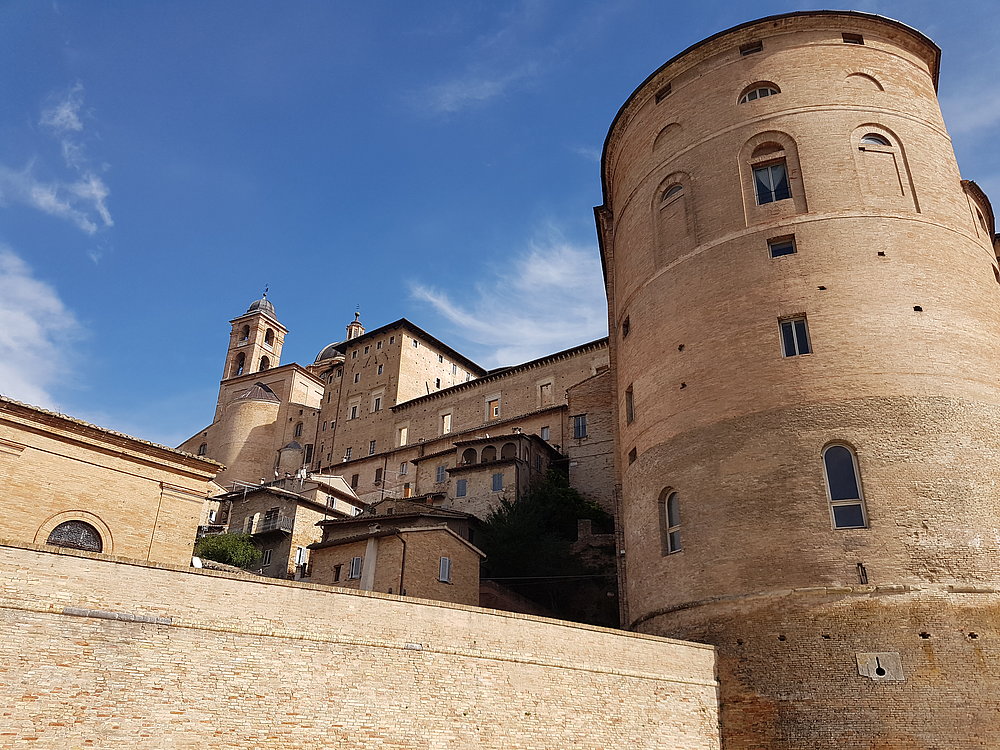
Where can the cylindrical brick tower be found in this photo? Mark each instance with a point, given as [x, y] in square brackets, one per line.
[805, 325]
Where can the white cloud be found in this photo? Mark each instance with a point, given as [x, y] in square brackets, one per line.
[64, 115]
[80, 196]
[469, 90]
[36, 331]
[551, 297]
[82, 201]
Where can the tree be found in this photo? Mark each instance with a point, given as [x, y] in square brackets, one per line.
[229, 549]
[529, 548]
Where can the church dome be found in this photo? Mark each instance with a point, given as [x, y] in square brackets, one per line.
[329, 351]
[263, 305]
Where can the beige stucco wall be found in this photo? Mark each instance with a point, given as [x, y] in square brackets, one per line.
[111, 655]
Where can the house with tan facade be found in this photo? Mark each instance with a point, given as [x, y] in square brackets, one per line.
[67, 483]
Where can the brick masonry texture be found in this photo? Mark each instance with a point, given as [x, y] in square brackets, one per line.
[109, 654]
[897, 282]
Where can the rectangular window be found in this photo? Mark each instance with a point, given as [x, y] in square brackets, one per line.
[439, 474]
[404, 468]
[403, 433]
[454, 369]
[663, 93]
[354, 354]
[445, 424]
[336, 572]
[367, 349]
[300, 555]
[355, 571]
[437, 382]
[538, 462]
[347, 454]
[354, 411]
[378, 475]
[629, 406]
[794, 337]
[781, 246]
[771, 182]
[378, 345]
[307, 459]
[580, 426]
[266, 559]
[371, 447]
[392, 339]
[324, 425]
[407, 490]
[380, 370]
[357, 377]
[853, 39]
[212, 515]
[498, 482]
[493, 409]
[415, 343]
[377, 404]
[545, 433]
[461, 487]
[444, 570]
[751, 48]
[440, 358]
[354, 481]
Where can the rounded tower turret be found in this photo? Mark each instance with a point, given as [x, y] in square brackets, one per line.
[805, 320]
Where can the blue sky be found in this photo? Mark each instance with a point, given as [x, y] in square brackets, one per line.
[161, 162]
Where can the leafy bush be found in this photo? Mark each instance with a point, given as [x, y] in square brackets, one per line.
[229, 549]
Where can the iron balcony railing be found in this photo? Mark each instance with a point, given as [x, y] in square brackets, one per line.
[272, 523]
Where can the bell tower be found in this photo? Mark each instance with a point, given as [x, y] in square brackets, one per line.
[255, 340]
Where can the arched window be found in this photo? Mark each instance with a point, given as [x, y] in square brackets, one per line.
[489, 454]
[770, 174]
[469, 456]
[76, 535]
[268, 337]
[758, 91]
[239, 364]
[670, 521]
[843, 486]
[265, 364]
[203, 449]
[875, 139]
[672, 191]
[298, 430]
[508, 451]
[244, 334]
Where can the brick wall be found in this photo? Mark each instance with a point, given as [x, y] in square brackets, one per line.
[110, 655]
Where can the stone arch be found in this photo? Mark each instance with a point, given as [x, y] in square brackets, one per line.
[672, 208]
[508, 451]
[239, 365]
[469, 456]
[883, 173]
[863, 83]
[83, 516]
[766, 148]
[489, 454]
[668, 134]
[269, 337]
[265, 364]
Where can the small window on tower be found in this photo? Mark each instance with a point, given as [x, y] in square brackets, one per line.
[853, 38]
[794, 337]
[203, 449]
[751, 48]
[781, 246]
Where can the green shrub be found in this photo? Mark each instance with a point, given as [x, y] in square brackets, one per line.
[229, 549]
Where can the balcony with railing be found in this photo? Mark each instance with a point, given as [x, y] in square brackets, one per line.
[267, 524]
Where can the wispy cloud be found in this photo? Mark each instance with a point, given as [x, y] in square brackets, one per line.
[549, 298]
[79, 196]
[475, 87]
[590, 153]
[36, 334]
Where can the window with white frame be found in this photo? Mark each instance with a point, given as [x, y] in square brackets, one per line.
[377, 403]
[758, 91]
[445, 423]
[493, 408]
[771, 182]
[580, 426]
[404, 468]
[794, 336]
[380, 369]
[670, 522]
[371, 447]
[444, 570]
[353, 411]
[544, 433]
[355, 570]
[402, 435]
[843, 485]
[347, 454]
